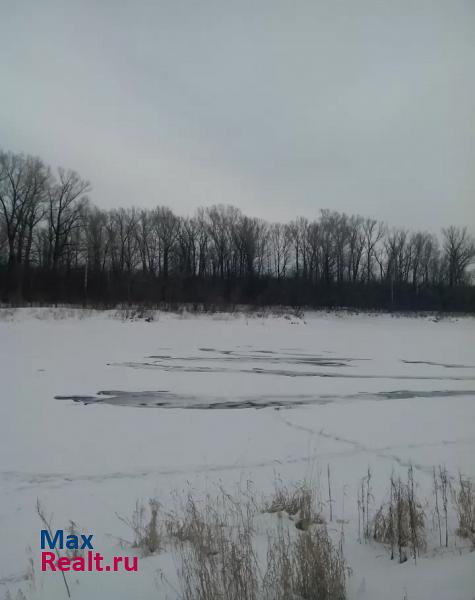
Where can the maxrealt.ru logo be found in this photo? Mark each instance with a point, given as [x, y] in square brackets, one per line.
[81, 557]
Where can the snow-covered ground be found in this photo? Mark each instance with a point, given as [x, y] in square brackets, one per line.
[227, 399]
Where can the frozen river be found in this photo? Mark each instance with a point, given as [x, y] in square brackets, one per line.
[97, 412]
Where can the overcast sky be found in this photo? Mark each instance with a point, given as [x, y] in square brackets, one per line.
[280, 108]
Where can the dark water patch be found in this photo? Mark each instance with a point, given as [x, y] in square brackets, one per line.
[286, 372]
[407, 394]
[263, 356]
[437, 364]
[167, 399]
[84, 399]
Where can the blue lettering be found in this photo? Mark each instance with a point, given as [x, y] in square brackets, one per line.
[46, 539]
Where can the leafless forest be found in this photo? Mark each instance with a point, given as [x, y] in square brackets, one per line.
[56, 246]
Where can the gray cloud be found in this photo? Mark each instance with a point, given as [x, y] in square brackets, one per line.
[281, 108]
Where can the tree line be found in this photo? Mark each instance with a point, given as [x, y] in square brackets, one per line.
[56, 246]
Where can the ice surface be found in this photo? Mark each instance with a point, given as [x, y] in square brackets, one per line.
[83, 426]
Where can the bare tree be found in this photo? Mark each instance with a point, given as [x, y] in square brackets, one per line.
[167, 227]
[280, 238]
[313, 250]
[356, 243]
[188, 246]
[221, 220]
[328, 255]
[373, 232]
[53, 239]
[67, 199]
[247, 233]
[459, 253]
[22, 193]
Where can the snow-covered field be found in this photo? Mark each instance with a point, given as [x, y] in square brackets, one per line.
[202, 401]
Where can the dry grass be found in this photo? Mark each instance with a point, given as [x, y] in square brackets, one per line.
[298, 501]
[307, 567]
[400, 522]
[190, 525]
[136, 313]
[464, 502]
[217, 554]
[146, 527]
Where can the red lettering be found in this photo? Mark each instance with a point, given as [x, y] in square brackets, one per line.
[134, 563]
[64, 563]
[47, 558]
[79, 564]
[98, 559]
